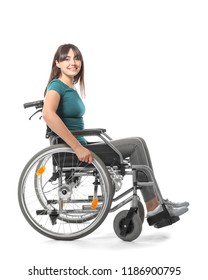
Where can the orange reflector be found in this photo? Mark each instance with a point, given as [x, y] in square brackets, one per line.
[40, 171]
[94, 203]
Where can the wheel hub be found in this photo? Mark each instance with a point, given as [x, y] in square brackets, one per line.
[65, 192]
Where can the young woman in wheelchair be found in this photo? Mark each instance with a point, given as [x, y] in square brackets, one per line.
[63, 112]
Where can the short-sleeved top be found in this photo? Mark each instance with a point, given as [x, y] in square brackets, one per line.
[71, 107]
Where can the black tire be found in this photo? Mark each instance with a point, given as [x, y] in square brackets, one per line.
[134, 229]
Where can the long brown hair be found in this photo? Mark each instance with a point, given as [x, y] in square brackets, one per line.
[61, 55]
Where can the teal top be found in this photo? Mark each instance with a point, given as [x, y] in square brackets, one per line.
[71, 107]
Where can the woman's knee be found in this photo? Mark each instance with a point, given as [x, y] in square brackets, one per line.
[139, 142]
[142, 140]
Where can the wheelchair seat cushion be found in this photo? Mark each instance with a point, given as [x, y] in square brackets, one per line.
[102, 150]
[105, 153]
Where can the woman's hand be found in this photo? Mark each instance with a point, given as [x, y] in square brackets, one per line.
[84, 154]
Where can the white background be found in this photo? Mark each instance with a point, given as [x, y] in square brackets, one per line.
[146, 68]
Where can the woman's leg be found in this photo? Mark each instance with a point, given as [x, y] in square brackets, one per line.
[146, 151]
[136, 149]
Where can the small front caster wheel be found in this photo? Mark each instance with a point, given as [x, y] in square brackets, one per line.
[134, 228]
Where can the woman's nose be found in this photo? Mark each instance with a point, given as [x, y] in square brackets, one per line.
[73, 61]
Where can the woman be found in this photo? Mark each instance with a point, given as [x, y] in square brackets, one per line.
[63, 112]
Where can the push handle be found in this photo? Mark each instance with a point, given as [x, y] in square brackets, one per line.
[36, 104]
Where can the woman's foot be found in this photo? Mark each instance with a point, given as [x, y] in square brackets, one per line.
[172, 211]
[176, 204]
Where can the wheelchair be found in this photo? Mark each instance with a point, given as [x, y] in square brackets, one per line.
[66, 199]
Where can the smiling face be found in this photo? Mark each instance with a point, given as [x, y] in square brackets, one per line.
[70, 66]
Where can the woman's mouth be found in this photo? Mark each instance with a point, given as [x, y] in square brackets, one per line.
[72, 68]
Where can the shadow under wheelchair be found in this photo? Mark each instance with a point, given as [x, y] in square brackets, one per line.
[107, 242]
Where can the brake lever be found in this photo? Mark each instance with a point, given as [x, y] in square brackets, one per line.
[35, 114]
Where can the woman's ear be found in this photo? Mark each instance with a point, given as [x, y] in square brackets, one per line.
[57, 64]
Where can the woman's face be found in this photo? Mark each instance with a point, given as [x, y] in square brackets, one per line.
[71, 65]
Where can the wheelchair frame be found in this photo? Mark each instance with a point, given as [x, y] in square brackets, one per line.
[107, 180]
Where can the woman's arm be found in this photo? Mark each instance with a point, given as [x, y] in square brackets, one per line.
[55, 123]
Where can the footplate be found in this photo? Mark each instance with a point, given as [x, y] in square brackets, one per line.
[162, 219]
[53, 215]
[167, 222]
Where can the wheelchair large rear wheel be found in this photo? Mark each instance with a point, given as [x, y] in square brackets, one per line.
[63, 198]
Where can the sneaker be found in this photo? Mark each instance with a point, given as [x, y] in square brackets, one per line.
[173, 211]
[176, 204]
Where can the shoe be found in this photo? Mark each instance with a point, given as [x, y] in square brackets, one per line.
[172, 211]
[176, 204]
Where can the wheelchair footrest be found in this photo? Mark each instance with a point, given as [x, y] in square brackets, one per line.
[167, 222]
[162, 219]
[53, 215]
[41, 212]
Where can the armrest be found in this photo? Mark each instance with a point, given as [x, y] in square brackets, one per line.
[89, 132]
[84, 132]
